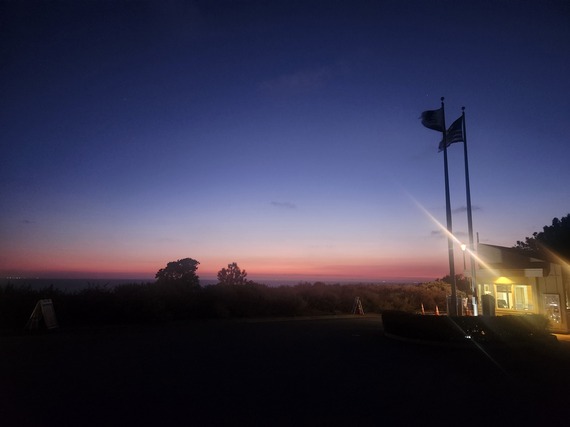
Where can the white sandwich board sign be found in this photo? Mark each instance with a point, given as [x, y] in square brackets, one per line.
[43, 310]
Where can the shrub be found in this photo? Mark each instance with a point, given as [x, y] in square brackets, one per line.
[174, 300]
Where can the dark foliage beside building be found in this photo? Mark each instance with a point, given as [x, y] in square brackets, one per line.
[552, 240]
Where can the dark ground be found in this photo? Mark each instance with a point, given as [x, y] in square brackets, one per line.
[305, 372]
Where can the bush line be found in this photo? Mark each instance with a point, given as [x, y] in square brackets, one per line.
[154, 302]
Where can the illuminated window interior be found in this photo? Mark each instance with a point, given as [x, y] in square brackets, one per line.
[514, 297]
[504, 297]
[552, 308]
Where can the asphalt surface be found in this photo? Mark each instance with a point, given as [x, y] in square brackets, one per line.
[304, 372]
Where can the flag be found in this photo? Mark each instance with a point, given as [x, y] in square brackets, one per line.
[454, 133]
[433, 119]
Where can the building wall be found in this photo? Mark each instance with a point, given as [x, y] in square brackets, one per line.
[528, 291]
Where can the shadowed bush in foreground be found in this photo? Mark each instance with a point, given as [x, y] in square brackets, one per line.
[160, 301]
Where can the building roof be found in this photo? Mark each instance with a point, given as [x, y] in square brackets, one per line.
[503, 258]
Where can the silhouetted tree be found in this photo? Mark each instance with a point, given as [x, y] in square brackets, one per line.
[463, 283]
[181, 272]
[555, 238]
[232, 275]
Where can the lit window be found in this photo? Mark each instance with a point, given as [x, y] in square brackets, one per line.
[504, 296]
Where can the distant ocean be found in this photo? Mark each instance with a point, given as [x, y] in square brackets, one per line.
[71, 285]
[79, 284]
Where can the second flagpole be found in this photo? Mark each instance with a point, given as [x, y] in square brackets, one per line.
[469, 217]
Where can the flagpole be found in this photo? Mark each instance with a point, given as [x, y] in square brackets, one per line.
[453, 304]
[469, 216]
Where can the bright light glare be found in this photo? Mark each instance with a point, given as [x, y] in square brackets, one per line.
[455, 239]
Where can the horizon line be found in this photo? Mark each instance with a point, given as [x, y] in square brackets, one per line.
[260, 279]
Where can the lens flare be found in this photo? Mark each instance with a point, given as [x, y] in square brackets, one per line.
[453, 237]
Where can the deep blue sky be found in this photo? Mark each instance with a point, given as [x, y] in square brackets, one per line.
[283, 135]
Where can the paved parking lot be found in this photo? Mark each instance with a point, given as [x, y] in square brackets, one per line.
[323, 371]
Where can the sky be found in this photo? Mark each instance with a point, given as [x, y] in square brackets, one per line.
[281, 135]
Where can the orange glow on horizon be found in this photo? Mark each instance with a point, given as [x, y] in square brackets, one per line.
[269, 269]
[350, 262]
